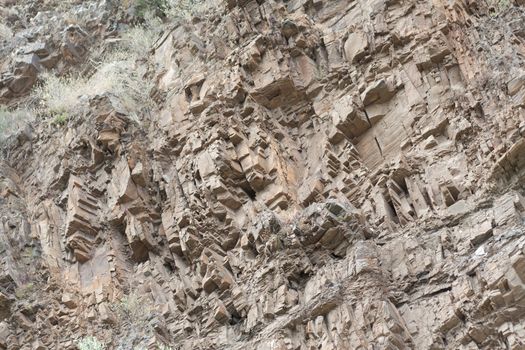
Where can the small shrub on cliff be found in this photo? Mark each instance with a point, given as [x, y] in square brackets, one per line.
[138, 40]
[172, 9]
[24, 291]
[136, 319]
[131, 307]
[59, 95]
[164, 347]
[157, 7]
[120, 71]
[5, 32]
[13, 120]
[500, 5]
[186, 8]
[60, 119]
[121, 77]
[90, 343]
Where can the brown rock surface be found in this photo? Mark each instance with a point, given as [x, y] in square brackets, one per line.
[318, 174]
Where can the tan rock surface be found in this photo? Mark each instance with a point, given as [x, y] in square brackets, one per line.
[323, 174]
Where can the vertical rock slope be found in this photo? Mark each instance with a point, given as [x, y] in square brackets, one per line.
[317, 174]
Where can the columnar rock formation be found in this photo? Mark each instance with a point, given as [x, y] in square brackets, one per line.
[319, 174]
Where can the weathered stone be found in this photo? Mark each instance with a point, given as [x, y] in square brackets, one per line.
[309, 175]
[356, 46]
[69, 300]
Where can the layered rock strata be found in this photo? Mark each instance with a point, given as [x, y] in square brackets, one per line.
[318, 175]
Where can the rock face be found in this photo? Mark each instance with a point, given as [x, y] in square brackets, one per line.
[319, 174]
[48, 40]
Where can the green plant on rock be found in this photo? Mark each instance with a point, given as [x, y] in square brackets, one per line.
[89, 343]
[60, 119]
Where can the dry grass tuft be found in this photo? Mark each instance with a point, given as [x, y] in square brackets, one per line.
[5, 32]
[90, 343]
[13, 120]
[118, 72]
[186, 9]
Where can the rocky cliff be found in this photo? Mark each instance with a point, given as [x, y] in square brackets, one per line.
[311, 174]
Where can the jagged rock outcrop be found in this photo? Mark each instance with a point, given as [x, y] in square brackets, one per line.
[49, 40]
[318, 175]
